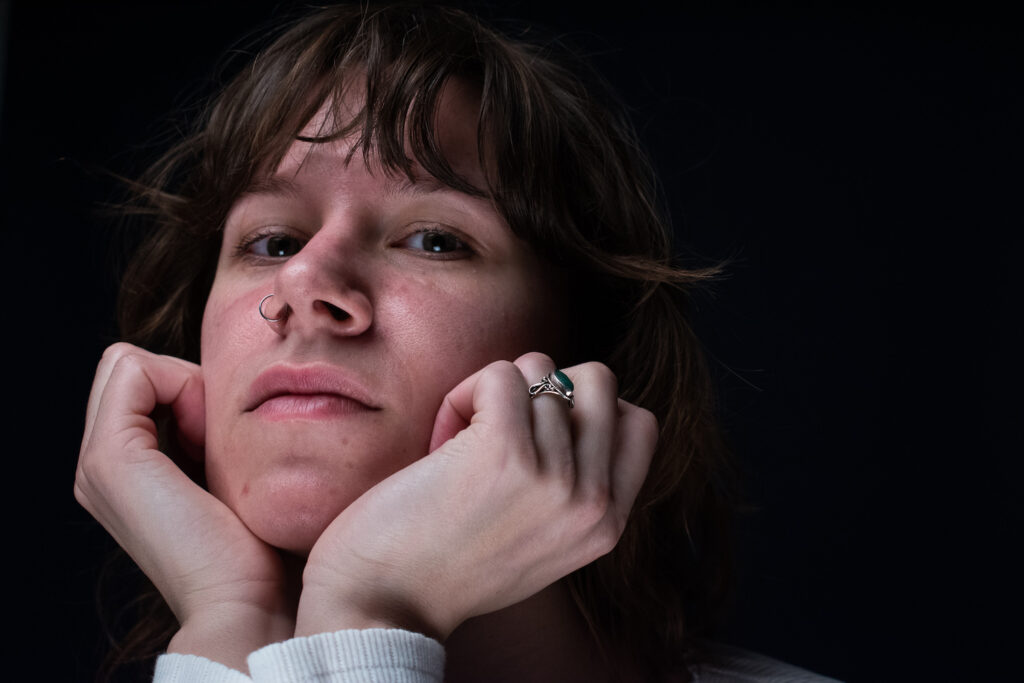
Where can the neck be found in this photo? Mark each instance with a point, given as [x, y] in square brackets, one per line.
[541, 639]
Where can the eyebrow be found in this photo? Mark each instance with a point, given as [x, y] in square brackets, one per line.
[274, 185]
[421, 185]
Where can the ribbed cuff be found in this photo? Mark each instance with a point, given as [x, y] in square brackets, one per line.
[178, 668]
[368, 656]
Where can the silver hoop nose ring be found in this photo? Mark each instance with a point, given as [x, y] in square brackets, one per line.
[263, 315]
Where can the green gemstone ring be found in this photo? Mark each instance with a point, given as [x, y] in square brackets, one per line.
[557, 383]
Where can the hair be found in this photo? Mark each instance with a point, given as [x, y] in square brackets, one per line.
[563, 166]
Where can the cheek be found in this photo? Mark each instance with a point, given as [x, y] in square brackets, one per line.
[231, 330]
[449, 333]
[516, 312]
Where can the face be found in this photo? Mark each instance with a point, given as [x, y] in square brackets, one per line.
[395, 292]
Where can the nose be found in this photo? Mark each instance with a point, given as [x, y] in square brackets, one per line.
[324, 289]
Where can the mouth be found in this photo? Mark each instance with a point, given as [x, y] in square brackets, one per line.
[308, 391]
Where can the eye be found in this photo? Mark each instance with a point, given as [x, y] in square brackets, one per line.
[272, 245]
[437, 243]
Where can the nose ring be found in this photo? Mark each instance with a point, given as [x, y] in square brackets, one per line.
[281, 315]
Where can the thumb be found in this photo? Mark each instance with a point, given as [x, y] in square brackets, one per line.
[189, 408]
[491, 391]
[450, 419]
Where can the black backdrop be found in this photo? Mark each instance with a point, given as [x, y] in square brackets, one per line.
[863, 170]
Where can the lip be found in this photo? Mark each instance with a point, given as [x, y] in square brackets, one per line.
[307, 390]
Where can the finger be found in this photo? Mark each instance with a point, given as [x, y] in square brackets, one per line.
[494, 398]
[595, 420]
[636, 442]
[99, 383]
[552, 431]
[455, 413]
[187, 404]
[136, 384]
[189, 409]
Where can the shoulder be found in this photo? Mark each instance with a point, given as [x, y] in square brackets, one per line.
[720, 663]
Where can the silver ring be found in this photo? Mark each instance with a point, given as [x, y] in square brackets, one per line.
[264, 315]
[555, 382]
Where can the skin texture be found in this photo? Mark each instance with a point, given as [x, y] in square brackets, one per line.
[418, 486]
[413, 323]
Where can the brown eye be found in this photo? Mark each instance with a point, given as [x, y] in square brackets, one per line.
[275, 246]
[437, 242]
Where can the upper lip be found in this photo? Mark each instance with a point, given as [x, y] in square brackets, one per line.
[283, 380]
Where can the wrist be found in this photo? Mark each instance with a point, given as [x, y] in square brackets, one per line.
[317, 617]
[325, 610]
[228, 634]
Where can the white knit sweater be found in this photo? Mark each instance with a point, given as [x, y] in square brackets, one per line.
[396, 656]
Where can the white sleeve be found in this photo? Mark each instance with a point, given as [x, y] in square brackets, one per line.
[363, 656]
[728, 664]
[176, 668]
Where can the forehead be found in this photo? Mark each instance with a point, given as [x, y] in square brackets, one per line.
[411, 153]
[323, 165]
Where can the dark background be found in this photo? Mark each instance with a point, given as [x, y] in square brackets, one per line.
[861, 168]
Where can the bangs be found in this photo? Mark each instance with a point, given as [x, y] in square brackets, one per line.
[536, 131]
[395, 64]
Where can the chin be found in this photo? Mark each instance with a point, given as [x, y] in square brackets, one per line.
[288, 486]
[295, 533]
[291, 514]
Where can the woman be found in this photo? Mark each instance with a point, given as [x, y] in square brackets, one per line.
[370, 261]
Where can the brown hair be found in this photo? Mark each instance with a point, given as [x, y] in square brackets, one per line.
[564, 169]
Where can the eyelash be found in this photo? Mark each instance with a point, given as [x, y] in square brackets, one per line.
[461, 250]
[243, 250]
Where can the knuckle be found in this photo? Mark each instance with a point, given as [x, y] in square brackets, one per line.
[647, 421]
[536, 358]
[502, 373]
[80, 495]
[593, 505]
[129, 361]
[605, 538]
[116, 351]
[83, 483]
[501, 368]
[601, 377]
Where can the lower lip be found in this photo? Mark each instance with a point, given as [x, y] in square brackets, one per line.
[308, 406]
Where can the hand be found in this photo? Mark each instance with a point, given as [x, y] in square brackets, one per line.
[225, 586]
[523, 493]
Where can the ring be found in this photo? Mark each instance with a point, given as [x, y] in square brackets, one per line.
[264, 315]
[555, 382]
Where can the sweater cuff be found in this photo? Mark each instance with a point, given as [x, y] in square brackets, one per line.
[368, 656]
[179, 668]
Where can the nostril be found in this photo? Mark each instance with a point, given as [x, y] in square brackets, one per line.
[336, 312]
